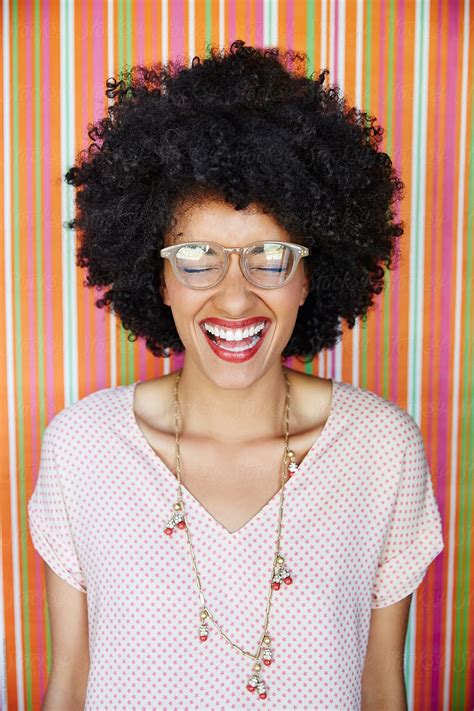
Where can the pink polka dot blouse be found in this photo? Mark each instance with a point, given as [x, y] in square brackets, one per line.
[360, 527]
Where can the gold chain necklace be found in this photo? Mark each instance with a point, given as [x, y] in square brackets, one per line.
[279, 571]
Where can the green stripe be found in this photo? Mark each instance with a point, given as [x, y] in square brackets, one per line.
[463, 537]
[121, 369]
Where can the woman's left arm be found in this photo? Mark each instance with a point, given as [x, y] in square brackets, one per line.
[383, 682]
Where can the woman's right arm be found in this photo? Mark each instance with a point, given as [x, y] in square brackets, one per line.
[67, 683]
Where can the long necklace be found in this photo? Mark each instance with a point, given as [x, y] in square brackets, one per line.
[279, 573]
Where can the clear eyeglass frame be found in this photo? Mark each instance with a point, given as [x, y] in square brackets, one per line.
[298, 250]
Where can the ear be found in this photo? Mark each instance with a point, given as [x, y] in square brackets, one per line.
[163, 289]
[305, 288]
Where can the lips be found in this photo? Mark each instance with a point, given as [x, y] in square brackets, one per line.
[235, 356]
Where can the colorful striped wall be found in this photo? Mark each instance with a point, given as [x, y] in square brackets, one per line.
[409, 62]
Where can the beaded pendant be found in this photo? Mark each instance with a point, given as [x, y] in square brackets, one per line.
[292, 466]
[255, 681]
[177, 519]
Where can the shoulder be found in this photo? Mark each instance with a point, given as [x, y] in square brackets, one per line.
[87, 414]
[378, 416]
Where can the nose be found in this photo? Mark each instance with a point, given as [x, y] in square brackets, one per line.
[235, 274]
[235, 294]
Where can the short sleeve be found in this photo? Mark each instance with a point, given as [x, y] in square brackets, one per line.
[415, 535]
[49, 523]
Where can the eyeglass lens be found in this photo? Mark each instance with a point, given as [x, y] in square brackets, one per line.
[202, 265]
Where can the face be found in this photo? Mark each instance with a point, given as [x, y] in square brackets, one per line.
[235, 299]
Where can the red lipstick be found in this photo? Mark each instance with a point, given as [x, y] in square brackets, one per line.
[221, 346]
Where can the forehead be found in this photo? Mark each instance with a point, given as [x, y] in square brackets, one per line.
[215, 220]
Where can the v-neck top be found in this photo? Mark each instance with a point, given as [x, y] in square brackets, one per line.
[360, 527]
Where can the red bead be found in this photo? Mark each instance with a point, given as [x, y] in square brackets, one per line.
[168, 531]
[263, 695]
[250, 687]
[276, 586]
[290, 473]
[267, 662]
[288, 580]
[182, 524]
[203, 637]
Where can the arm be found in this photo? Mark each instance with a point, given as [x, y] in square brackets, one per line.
[383, 682]
[69, 632]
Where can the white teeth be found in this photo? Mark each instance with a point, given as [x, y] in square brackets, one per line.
[237, 335]
[239, 349]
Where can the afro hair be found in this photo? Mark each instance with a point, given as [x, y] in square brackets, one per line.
[249, 126]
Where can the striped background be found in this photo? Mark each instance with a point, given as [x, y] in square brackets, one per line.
[411, 64]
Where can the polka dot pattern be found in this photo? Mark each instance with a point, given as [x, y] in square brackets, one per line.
[360, 527]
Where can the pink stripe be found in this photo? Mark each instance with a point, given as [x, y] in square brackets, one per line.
[335, 39]
[230, 21]
[290, 27]
[154, 31]
[431, 375]
[139, 25]
[379, 314]
[177, 30]
[397, 147]
[259, 23]
[96, 323]
[444, 316]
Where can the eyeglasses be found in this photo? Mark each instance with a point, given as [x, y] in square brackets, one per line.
[203, 265]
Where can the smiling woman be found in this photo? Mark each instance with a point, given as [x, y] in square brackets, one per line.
[234, 525]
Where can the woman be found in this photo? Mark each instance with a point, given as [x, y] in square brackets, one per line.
[242, 531]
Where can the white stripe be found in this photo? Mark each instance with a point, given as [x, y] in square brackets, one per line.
[324, 29]
[416, 280]
[69, 296]
[164, 28]
[221, 23]
[417, 227]
[191, 29]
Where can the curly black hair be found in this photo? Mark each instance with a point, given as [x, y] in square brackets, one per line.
[245, 126]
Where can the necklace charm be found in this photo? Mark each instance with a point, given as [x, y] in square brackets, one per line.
[281, 573]
[203, 628]
[292, 466]
[177, 519]
[255, 681]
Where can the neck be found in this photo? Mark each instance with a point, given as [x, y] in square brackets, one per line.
[232, 414]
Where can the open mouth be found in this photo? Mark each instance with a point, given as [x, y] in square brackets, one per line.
[240, 347]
